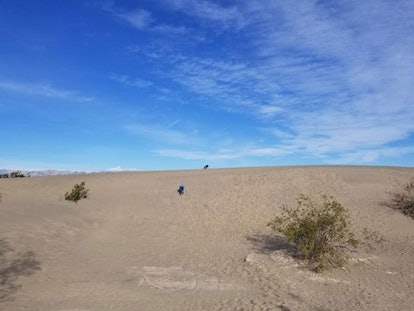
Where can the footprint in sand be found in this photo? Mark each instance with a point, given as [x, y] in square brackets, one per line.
[280, 263]
[176, 278]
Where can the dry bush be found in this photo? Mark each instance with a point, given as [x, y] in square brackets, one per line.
[78, 192]
[17, 174]
[321, 231]
[404, 200]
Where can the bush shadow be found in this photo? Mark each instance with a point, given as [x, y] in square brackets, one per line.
[267, 244]
[402, 199]
[401, 202]
[12, 266]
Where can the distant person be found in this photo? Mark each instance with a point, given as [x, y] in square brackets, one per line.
[181, 189]
[205, 167]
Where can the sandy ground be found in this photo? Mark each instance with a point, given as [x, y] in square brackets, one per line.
[135, 244]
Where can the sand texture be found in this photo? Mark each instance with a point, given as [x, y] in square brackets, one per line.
[135, 244]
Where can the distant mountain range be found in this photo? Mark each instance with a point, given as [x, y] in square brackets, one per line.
[40, 173]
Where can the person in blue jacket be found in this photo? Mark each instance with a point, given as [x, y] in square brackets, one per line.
[181, 189]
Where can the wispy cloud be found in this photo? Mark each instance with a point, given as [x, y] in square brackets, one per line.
[326, 78]
[165, 134]
[367, 156]
[170, 30]
[338, 78]
[143, 20]
[198, 155]
[139, 19]
[44, 90]
[120, 169]
[269, 110]
[134, 82]
[173, 123]
[225, 154]
[232, 85]
[353, 156]
[225, 16]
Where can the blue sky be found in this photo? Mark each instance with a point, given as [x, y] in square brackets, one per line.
[177, 84]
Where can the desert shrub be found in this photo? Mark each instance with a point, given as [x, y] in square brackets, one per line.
[16, 174]
[404, 200]
[78, 192]
[320, 230]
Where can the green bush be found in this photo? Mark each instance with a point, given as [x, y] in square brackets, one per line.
[78, 192]
[320, 230]
[404, 200]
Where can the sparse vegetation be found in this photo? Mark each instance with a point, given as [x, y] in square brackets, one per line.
[78, 192]
[404, 200]
[321, 232]
[15, 174]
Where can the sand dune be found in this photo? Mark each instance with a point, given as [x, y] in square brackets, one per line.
[135, 244]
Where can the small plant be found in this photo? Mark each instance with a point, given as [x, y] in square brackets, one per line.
[17, 174]
[78, 192]
[1, 196]
[404, 200]
[321, 231]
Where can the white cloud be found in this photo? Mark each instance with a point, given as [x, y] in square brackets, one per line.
[171, 30]
[225, 16]
[173, 123]
[198, 155]
[134, 82]
[367, 156]
[182, 154]
[231, 85]
[270, 151]
[360, 156]
[145, 21]
[165, 134]
[139, 19]
[120, 169]
[335, 78]
[44, 90]
[269, 110]
[229, 153]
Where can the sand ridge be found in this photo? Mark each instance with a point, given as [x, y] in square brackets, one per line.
[135, 244]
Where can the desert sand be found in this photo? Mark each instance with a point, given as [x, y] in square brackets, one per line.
[135, 244]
